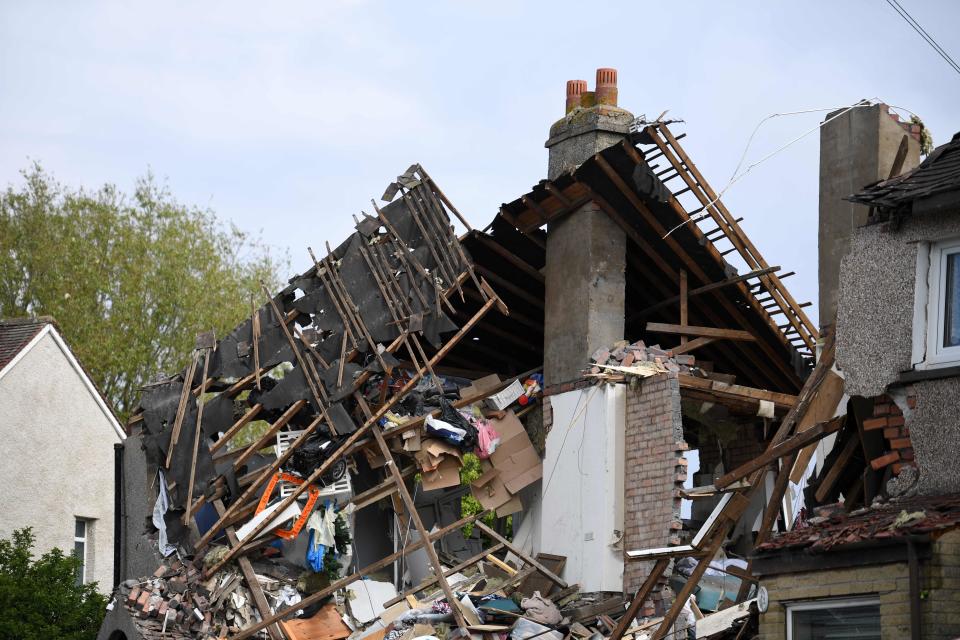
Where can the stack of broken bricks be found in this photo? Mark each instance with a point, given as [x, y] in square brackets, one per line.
[177, 603]
[623, 360]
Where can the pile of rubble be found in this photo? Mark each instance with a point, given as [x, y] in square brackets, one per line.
[622, 359]
[177, 603]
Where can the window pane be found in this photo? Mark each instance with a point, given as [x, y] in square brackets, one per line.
[838, 623]
[81, 529]
[951, 298]
[79, 551]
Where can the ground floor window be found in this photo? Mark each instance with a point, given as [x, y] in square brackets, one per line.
[80, 548]
[847, 619]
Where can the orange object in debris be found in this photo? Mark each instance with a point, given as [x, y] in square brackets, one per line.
[325, 625]
[313, 496]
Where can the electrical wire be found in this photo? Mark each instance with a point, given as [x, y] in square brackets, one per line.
[910, 20]
[737, 175]
[573, 421]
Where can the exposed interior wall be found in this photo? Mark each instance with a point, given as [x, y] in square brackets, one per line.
[874, 339]
[48, 411]
[655, 470]
[581, 513]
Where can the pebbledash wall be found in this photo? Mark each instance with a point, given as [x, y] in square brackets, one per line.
[939, 580]
[59, 462]
[878, 279]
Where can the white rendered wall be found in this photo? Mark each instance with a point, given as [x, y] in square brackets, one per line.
[57, 458]
[582, 487]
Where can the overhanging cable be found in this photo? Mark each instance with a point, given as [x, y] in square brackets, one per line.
[910, 20]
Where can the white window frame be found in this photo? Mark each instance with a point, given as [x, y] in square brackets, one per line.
[84, 540]
[827, 603]
[930, 306]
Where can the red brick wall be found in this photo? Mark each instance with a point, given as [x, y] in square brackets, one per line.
[654, 470]
[888, 416]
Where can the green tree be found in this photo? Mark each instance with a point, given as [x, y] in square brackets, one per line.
[130, 279]
[40, 599]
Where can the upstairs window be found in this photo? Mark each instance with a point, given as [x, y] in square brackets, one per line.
[936, 327]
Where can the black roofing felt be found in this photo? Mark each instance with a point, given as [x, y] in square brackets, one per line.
[939, 173]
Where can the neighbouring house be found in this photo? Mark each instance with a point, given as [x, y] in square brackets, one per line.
[61, 442]
[885, 561]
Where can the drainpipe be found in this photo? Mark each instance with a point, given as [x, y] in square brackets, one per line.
[117, 510]
[914, 570]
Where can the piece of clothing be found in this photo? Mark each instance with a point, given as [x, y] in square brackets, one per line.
[487, 439]
[540, 609]
[160, 508]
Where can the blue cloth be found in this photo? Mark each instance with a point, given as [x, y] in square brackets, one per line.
[315, 554]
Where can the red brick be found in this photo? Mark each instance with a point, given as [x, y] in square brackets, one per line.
[892, 432]
[906, 454]
[881, 408]
[895, 421]
[883, 461]
[901, 443]
[875, 423]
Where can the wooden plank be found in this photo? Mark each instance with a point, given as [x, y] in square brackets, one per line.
[787, 447]
[780, 400]
[237, 426]
[822, 407]
[197, 430]
[557, 580]
[639, 598]
[707, 332]
[705, 289]
[270, 433]
[838, 467]
[684, 315]
[692, 345]
[259, 599]
[538, 582]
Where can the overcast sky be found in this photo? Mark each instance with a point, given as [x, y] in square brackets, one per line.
[287, 117]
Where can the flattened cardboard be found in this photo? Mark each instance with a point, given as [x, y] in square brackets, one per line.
[447, 474]
[515, 458]
[489, 489]
[510, 507]
[411, 441]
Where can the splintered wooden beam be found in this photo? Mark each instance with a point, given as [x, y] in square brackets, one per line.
[446, 574]
[705, 332]
[549, 575]
[641, 596]
[237, 426]
[787, 447]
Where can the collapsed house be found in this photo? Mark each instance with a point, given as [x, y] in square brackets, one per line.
[607, 329]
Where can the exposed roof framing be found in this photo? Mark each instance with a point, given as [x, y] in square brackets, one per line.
[635, 195]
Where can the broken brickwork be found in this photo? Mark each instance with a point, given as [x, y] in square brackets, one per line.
[889, 417]
[655, 470]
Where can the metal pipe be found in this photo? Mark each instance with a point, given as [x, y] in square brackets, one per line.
[118, 514]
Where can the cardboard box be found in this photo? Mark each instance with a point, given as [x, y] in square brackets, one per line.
[515, 458]
[511, 507]
[480, 386]
[489, 489]
[506, 397]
